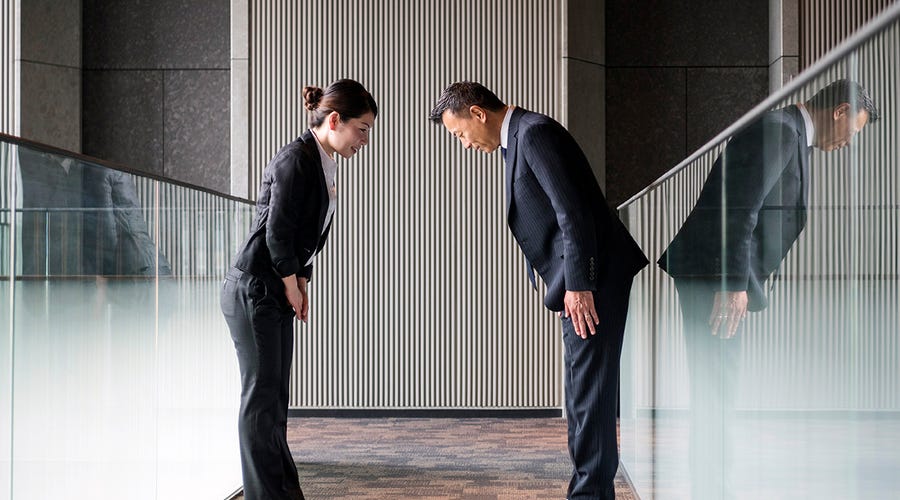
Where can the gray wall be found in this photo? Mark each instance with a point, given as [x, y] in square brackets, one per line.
[156, 87]
[50, 72]
[784, 42]
[675, 77]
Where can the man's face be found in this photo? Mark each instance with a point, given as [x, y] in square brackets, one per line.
[473, 131]
[841, 128]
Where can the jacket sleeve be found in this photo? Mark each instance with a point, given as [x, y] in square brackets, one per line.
[549, 151]
[284, 215]
[752, 164]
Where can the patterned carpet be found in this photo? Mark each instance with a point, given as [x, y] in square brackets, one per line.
[396, 458]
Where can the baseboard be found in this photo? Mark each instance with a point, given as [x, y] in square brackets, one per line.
[835, 414]
[628, 480]
[425, 412]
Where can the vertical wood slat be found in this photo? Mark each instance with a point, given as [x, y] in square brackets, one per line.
[420, 299]
[9, 105]
[826, 23]
[9, 68]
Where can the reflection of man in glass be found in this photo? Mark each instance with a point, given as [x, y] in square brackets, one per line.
[750, 212]
[82, 219]
[116, 237]
[52, 222]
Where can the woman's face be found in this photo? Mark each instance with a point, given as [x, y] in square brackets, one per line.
[349, 137]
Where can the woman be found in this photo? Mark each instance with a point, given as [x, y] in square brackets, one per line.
[266, 287]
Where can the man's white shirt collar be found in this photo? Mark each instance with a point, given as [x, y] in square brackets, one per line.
[810, 128]
[504, 129]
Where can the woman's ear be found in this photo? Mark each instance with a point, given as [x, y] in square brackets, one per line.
[333, 119]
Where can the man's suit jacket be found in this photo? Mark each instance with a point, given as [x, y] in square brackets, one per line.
[558, 214]
[751, 210]
[290, 214]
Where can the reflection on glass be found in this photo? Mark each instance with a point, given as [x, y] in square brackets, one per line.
[122, 381]
[5, 333]
[750, 212]
[762, 354]
[82, 219]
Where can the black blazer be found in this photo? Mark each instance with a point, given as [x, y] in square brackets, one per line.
[558, 214]
[290, 213]
[751, 210]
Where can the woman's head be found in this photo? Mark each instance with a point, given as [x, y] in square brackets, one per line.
[342, 115]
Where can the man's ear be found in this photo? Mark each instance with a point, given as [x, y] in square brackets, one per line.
[840, 110]
[478, 113]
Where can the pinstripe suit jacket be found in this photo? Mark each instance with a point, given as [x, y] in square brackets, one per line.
[558, 214]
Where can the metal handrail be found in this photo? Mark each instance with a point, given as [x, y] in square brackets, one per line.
[46, 148]
[870, 30]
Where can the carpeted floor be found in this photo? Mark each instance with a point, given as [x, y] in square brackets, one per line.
[433, 458]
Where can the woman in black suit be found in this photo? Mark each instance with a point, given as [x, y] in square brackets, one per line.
[266, 287]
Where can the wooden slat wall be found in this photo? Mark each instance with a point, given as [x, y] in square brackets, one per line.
[420, 299]
[826, 23]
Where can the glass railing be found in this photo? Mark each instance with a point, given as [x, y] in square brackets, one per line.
[118, 375]
[800, 398]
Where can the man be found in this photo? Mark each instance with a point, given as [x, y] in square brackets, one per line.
[559, 217]
[750, 212]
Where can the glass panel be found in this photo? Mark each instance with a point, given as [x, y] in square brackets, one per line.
[123, 373]
[199, 381]
[7, 228]
[803, 401]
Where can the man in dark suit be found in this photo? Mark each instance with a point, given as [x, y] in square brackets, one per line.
[559, 216]
[750, 212]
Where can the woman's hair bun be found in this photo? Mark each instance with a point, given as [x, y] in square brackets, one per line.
[312, 96]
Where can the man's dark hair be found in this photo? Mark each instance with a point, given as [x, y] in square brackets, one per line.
[459, 96]
[844, 91]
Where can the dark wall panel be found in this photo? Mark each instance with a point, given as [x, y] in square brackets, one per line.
[694, 33]
[127, 34]
[196, 127]
[156, 86]
[677, 74]
[717, 97]
[645, 117]
[122, 117]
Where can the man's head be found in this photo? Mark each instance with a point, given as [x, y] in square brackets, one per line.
[472, 113]
[839, 111]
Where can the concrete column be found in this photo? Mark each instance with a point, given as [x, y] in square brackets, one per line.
[784, 42]
[50, 71]
[240, 98]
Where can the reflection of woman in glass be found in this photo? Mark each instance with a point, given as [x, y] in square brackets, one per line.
[266, 288]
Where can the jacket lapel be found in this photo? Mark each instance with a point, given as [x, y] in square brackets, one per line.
[312, 148]
[512, 147]
[803, 153]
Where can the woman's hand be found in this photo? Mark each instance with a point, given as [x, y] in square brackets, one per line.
[295, 290]
[304, 306]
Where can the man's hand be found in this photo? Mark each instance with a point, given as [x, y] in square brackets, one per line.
[295, 290]
[729, 309]
[580, 308]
